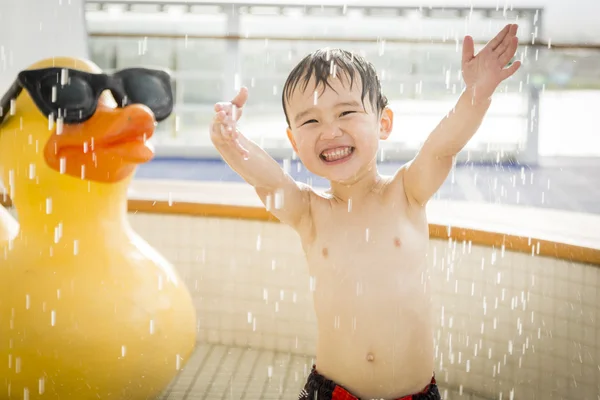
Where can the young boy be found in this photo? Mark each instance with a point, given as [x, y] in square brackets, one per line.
[366, 238]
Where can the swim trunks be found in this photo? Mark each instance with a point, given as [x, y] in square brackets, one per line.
[320, 388]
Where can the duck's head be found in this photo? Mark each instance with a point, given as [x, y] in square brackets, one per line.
[44, 156]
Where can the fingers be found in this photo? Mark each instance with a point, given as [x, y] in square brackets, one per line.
[508, 72]
[240, 99]
[235, 107]
[225, 125]
[468, 51]
[495, 42]
[509, 51]
[507, 40]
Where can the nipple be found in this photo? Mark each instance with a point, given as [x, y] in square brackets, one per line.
[370, 357]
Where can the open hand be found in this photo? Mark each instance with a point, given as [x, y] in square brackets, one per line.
[225, 121]
[486, 70]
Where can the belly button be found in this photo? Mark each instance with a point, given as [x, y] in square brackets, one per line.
[325, 252]
[370, 357]
[397, 242]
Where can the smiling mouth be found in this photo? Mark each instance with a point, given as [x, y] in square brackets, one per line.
[337, 154]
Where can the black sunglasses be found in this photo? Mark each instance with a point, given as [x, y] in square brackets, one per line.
[73, 95]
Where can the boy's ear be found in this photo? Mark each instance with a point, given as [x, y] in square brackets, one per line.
[386, 123]
[291, 138]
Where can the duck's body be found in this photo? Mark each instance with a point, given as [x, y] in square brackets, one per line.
[111, 323]
[88, 310]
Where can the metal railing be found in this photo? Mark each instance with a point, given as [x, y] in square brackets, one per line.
[230, 33]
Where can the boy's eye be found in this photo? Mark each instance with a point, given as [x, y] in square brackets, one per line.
[310, 121]
[346, 113]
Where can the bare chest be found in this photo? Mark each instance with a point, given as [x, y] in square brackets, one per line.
[367, 248]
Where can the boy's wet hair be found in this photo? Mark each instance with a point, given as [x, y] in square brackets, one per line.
[323, 63]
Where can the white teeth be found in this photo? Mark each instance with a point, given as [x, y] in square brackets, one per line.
[333, 155]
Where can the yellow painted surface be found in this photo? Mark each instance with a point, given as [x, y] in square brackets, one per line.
[88, 310]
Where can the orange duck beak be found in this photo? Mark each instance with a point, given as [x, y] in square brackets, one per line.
[106, 148]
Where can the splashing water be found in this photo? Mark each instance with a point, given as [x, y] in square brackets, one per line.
[41, 385]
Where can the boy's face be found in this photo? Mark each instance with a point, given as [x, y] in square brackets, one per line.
[333, 135]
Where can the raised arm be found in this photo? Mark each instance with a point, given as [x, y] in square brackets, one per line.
[286, 199]
[482, 75]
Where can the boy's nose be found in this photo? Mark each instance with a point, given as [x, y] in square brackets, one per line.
[330, 131]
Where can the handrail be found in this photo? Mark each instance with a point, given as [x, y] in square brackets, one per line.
[537, 43]
[522, 244]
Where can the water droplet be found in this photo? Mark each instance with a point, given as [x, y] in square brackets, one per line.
[42, 385]
[59, 125]
[123, 351]
[64, 77]
[152, 327]
[53, 318]
[51, 121]
[32, 171]
[278, 199]
[58, 232]
[381, 47]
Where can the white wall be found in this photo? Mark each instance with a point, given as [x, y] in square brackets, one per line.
[31, 30]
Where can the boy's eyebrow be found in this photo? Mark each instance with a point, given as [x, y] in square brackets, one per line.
[303, 114]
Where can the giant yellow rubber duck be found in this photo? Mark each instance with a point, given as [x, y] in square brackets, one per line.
[88, 310]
